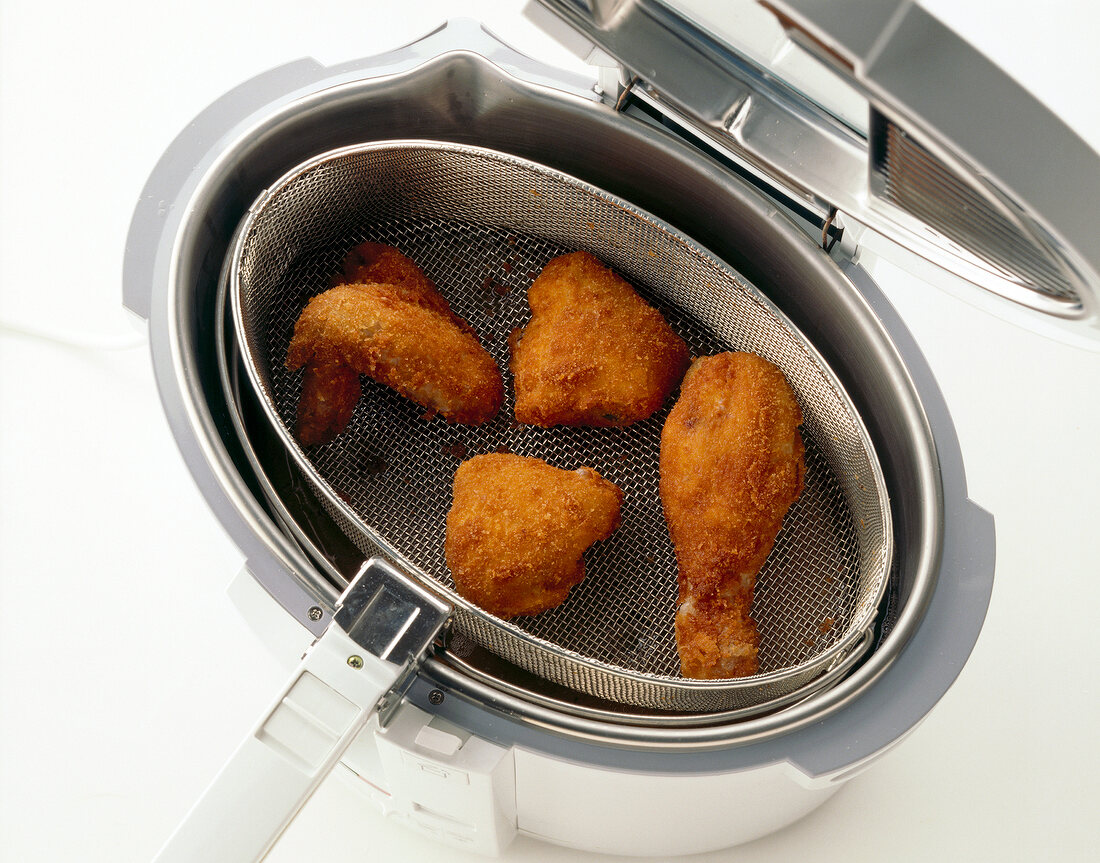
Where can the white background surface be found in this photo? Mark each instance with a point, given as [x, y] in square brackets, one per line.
[126, 677]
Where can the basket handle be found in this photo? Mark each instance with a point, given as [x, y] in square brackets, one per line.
[383, 625]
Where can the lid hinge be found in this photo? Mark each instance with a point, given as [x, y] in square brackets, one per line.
[624, 94]
[820, 219]
[828, 241]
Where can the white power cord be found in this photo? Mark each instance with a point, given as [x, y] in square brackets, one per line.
[82, 341]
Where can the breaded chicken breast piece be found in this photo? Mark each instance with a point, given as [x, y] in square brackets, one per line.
[594, 353]
[377, 330]
[732, 463]
[518, 528]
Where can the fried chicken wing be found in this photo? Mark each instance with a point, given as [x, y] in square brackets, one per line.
[379, 264]
[376, 263]
[330, 392]
[518, 528]
[397, 345]
[377, 330]
[731, 466]
[594, 352]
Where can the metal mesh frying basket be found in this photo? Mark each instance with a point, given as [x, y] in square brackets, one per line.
[482, 224]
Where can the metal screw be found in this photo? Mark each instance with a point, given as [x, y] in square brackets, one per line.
[435, 696]
[355, 661]
[316, 613]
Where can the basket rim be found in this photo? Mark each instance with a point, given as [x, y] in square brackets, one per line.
[867, 609]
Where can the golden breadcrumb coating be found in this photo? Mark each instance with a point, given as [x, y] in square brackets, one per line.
[401, 333]
[330, 392]
[518, 528]
[594, 352]
[731, 466]
[379, 264]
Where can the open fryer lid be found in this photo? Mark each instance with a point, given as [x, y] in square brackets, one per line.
[876, 114]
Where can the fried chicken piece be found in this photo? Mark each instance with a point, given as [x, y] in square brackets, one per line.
[731, 466]
[376, 263]
[379, 264]
[330, 392]
[379, 331]
[594, 352]
[330, 384]
[517, 530]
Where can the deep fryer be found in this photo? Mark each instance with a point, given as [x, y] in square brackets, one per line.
[943, 543]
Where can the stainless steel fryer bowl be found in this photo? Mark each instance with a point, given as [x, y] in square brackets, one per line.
[482, 224]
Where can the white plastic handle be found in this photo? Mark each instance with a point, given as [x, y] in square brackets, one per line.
[300, 739]
[282, 761]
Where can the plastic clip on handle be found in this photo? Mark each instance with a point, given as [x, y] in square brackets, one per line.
[384, 622]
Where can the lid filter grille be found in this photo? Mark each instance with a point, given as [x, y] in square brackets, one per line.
[909, 176]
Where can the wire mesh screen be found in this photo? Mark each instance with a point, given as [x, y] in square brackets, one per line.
[482, 225]
[910, 176]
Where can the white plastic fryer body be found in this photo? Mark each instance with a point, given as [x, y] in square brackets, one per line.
[466, 792]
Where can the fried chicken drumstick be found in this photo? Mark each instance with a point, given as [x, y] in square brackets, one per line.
[391, 324]
[731, 466]
[518, 528]
[594, 352]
